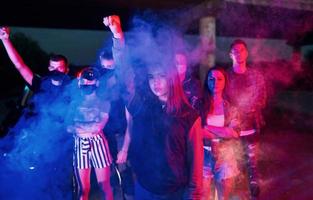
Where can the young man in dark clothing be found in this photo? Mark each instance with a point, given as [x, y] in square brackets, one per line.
[52, 84]
[43, 117]
[246, 90]
[47, 89]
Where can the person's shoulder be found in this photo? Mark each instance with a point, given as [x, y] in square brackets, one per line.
[195, 130]
[229, 107]
[67, 79]
[36, 83]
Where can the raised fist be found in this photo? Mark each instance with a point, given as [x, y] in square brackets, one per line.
[4, 33]
[114, 23]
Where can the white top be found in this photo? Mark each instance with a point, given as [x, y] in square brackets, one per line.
[215, 120]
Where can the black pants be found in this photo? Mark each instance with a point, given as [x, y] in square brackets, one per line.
[249, 144]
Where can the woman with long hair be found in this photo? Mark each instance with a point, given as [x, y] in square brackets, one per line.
[190, 83]
[166, 144]
[221, 126]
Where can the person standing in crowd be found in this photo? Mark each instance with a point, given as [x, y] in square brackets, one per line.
[46, 89]
[191, 85]
[117, 128]
[51, 84]
[247, 92]
[44, 115]
[221, 128]
[87, 117]
[58, 67]
[111, 88]
[165, 151]
[166, 146]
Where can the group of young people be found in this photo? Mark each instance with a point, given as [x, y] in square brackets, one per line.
[179, 134]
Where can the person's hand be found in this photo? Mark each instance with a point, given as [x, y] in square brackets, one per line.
[121, 157]
[114, 23]
[4, 33]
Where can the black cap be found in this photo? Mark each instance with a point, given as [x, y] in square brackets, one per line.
[90, 73]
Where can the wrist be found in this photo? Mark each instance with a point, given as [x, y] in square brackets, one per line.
[118, 35]
[124, 150]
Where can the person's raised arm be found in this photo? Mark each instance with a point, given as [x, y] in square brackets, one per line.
[114, 23]
[16, 59]
[123, 71]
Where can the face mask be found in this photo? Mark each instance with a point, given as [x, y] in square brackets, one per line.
[56, 76]
[87, 89]
[105, 71]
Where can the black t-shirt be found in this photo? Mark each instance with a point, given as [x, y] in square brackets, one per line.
[44, 84]
[247, 93]
[117, 122]
[48, 97]
[110, 88]
[158, 149]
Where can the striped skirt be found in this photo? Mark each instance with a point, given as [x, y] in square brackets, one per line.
[91, 151]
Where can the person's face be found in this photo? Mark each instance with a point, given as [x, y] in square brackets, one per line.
[107, 63]
[58, 66]
[86, 86]
[209, 60]
[181, 63]
[216, 82]
[239, 53]
[158, 83]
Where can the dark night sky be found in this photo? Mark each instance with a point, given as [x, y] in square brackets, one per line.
[83, 14]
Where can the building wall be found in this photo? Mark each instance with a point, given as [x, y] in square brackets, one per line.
[80, 46]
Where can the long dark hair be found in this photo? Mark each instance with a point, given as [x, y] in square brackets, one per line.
[207, 94]
[176, 97]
